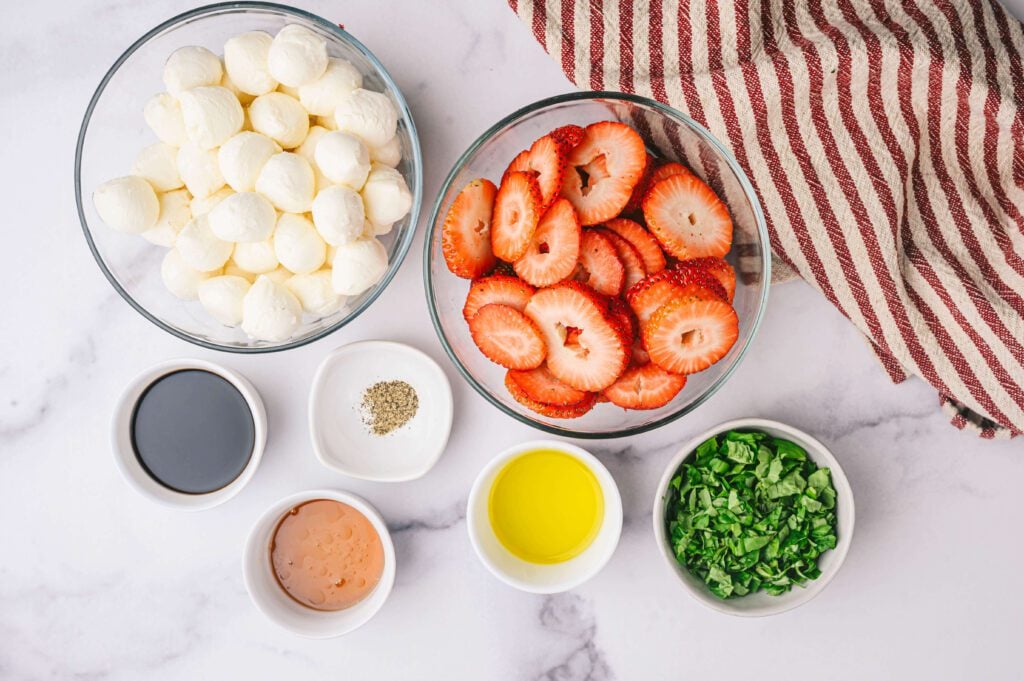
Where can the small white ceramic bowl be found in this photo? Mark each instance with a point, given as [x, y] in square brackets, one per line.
[278, 606]
[533, 577]
[343, 442]
[128, 462]
[760, 603]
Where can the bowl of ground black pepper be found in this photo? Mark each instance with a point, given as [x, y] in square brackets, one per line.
[380, 410]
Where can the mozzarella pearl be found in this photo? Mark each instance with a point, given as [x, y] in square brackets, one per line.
[316, 293]
[358, 266]
[222, 298]
[207, 203]
[322, 96]
[297, 245]
[386, 197]
[338, 215]
[245, 60]
[389, 154]
[306, 150]
[279, 275]
[279, 117]
[256, 257]
[158, 164]
[245, 217]
[270, 311]
[297, 56]
[343, 158]
[190, 67]
[174, 214]
[242, 157]
[288, 181]
[199, 170]
[212, 115]
[200, 248]
[369, 115]
[244, 98]
[180, 279]
[163, 116]
[127, 204]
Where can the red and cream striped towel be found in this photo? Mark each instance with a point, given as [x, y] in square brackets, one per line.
[885, 139]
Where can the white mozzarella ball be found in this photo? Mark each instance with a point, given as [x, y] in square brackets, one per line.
[270, 311]
[222, 296]
[343, 158]
[279, 275]
[158, 164]
[389, 154]
[244, 217]
[280, 117]
[199, 170]
[212, 115]
[245, 60]
[297, 244]
[358, 265]
[369, 115]
[180, 279]
[200, 248]
[163, 116]
[307, 149]
[256, 257]
[232, 269]
[244, 98]
[322, 96]
[242, 157]
[297, 56]
[190, 67]
[316, 292]
[127, 204]
[327, 122]
[338, 215]
[288, 181]
[386, 197]
[174, 214]
[202, 206]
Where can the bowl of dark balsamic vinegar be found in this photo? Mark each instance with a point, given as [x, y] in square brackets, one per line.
[189, 433]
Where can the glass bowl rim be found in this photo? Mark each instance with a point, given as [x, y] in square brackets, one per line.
[416, 159]
[586, 95]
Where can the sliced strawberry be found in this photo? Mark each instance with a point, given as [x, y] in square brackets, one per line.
[599, 266]
[507, 337]
[718, 267]
[568, 136]
[667, 170]
[688, 218]
[668, 285]
[517, 209]
[688, 335]
[645, 387]
[568, 411]
[497, 288]
[645, 244]
[555, 247]
[545, 161]
[604, 168]
[618, 308]
[629, 257]
[541, 385]
[635, 203]
[466, 234]
[637, 355]
[586, 348]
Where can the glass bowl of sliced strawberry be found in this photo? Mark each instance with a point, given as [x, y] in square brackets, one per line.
[597, 265]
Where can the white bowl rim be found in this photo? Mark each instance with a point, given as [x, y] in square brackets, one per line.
[612, 506]
[370, 608]
[128, 463]
[820, 455]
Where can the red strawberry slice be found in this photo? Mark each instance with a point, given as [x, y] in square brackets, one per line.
[688, 218]
[629, 257]
[604, 168]
[645, 387]
[645, 244]
[507, 337]
[555, 247]
[497, 288]
[637, 355]
[568, 136]
[466, 234]
[668, 170]
[688, 335]
[545, 161]
[568, 411]
[668, 285]
[719, 268]
[540, 385]
[517, 209]
[586, 348]
[635, 203]
[599, 266]
[618, 308]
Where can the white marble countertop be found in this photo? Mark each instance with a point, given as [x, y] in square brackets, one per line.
[98, 583]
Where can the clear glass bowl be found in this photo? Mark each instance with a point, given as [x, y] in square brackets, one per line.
[114, 131]
[669, 135]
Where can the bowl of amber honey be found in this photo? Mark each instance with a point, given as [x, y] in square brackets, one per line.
[319, 563]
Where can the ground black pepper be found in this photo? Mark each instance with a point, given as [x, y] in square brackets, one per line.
[389, 405]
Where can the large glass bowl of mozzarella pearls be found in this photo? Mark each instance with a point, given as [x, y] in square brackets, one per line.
[248, 177]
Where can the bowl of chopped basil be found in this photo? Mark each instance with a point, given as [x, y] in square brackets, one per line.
[754, 517]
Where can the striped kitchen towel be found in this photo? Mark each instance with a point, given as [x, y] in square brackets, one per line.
[885, 139]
